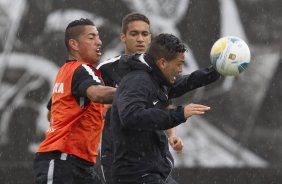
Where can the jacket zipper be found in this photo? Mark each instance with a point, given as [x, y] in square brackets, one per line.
[170, 162]
[170, 169]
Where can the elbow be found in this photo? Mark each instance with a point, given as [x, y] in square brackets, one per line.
[128, 121]
[125, 121]
[101, 94]
[100, 98]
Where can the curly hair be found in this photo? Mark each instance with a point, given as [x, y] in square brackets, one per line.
[165, 46]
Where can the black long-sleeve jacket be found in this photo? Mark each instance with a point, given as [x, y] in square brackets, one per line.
[139, 117]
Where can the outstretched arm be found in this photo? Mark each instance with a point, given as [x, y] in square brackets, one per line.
[101, 94]
[196, 79]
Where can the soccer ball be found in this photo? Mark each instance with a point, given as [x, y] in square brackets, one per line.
[230, 55]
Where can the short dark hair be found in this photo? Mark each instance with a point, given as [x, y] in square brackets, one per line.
[133, 17]
[165, 46]
[75, 28]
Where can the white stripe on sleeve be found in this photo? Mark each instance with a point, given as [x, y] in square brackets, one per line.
[114, 59]
[90, 72]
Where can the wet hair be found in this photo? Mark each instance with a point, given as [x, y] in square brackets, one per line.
[75, 29]
[133, 17]
[165, 46]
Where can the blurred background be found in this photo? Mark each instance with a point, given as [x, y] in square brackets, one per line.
[238, 141]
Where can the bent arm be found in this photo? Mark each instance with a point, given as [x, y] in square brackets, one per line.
[135, 107]
[100, 94]
[175, 141]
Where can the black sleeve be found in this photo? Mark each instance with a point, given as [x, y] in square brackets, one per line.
[110, 71]
[132, 102]
[106, 78]
[49, 104]
[84, 76]
[195, 80]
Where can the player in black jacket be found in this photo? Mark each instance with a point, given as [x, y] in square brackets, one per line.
[139, 115]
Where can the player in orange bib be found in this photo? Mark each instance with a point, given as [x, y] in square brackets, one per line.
[69, 151]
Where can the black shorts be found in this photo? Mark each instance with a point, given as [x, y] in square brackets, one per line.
[60, 168]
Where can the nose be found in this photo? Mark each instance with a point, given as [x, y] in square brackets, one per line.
[140, 37]
[180, 69]
[99, 41]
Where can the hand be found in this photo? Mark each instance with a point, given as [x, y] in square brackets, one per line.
[176, 143]
[195, 109]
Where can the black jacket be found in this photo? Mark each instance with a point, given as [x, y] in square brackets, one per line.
[139, 117]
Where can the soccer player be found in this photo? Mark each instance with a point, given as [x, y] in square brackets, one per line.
[136, 37]
[69, 150]
[139, 115]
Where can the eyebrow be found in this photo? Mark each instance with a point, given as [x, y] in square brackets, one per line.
[139, 31]
[93, 34]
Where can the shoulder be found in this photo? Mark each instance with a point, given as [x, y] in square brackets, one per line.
[86, 71]
[108, 62]
[138, 77]
[136, 85]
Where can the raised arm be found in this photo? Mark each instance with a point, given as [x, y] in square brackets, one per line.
[196, 79]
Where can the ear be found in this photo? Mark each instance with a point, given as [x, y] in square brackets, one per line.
[122, 37]
[73, 44]
[150, 38]
[161, 63]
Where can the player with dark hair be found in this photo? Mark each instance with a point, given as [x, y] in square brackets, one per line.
[69, 150]
[136, 37]
[139, 116]
[131, 17]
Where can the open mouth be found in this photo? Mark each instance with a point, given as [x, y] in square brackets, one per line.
[174, 78]
[98, 51]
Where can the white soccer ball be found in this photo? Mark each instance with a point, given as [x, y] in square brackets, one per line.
[230, 55]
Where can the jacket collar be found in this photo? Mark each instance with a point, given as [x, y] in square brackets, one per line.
[157, 74]
[129, 63]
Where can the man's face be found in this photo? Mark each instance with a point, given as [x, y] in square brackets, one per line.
[171, 69]
[137, 37]
[89, 45]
